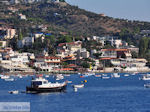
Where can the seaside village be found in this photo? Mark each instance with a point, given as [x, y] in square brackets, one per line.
[70, 57]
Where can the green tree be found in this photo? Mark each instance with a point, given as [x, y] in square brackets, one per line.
[20, 36]
[134, 54]
[143, 46]
[85, 65]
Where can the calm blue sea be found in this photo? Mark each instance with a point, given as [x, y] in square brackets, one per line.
[124, 94]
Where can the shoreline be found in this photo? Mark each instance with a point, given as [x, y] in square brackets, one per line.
[71, 73]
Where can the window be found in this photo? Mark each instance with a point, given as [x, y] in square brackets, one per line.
[36, 83]
[45, 82]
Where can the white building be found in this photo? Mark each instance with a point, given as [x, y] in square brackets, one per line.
[3, 43]
[10, 33]
[83, 53]
[47, 63]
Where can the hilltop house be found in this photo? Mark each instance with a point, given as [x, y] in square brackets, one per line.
[7, 33]
[66, 49]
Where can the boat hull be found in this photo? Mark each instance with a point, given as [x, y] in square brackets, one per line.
[45, 90]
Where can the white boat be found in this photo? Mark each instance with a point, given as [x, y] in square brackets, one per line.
[134, 73]
[147, 85]
[78, 86]
[14, 92]
[105, 77]
[59, 77]
[88, 74]
[20, 76]
[97, 75]
[69, 81]
[126, 75]
[67, 75]
[5, 77]
[145, 77]
[40, 85]
[46, 76]
[116, 75]
[10, 79]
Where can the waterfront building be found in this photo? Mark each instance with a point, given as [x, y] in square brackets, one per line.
[82, 53]
[3, 44]
[47, 63]
[116, 53]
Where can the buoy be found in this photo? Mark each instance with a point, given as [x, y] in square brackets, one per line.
[85, 80]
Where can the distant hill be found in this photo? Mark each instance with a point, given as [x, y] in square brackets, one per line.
[62, 17]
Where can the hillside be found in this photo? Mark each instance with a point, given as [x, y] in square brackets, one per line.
[62, 17]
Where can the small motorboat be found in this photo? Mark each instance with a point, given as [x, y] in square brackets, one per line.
[105, 77]
[145, 77]
[126, 75]
[78, 86]
[14, 92]
[59, 77]
[10, 79]
[97, 75]
[46, 76]
[67, 75]
[147, 85]
[69, 81]
[5, 77]
[115, 75]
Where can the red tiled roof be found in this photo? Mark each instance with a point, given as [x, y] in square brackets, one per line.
[71, 65]
[65, 69]
[70, 43]
[68, 59]
[53, 62]
[48, 57]
[115, 50]
[107, 58]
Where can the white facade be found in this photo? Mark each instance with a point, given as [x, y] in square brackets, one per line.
[83, 53]
[3, 44]
[10, 33]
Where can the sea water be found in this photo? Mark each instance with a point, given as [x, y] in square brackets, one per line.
[124, 94]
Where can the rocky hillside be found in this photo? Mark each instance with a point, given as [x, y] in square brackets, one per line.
[62, 17]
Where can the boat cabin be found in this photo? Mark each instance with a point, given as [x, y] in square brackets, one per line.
[39, 81]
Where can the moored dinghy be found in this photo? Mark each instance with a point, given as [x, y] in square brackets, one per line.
[78, 86]
[5, 77]
[14, 92]
[115, 75]
[10, 79]
[145, 77]
[147, 85]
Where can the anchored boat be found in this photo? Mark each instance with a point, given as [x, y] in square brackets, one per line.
[78, 86]
[40, 85]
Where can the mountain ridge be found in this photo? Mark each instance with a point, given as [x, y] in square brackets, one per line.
[63, 17]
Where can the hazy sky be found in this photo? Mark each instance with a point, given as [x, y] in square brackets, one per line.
[128, 9]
